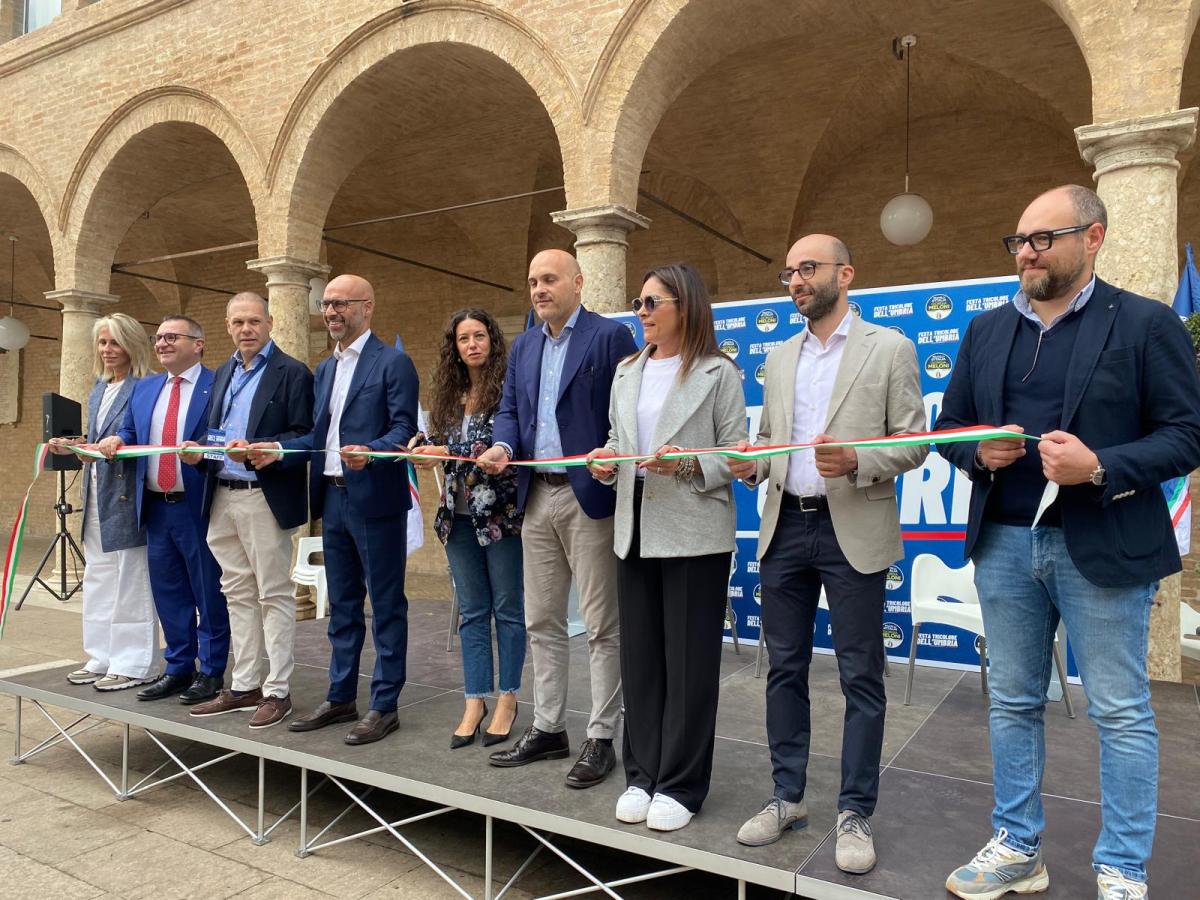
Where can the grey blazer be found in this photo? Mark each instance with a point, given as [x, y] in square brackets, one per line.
[116, 481]
[877, 392]
[707, 410]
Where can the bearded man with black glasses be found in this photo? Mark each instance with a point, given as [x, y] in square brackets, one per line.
[1071, 525]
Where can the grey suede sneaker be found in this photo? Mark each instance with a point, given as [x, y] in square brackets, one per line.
[855, 850]
[768, 824]
[997, 870]
[1113, 884]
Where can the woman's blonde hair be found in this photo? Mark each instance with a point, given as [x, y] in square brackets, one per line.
[131, 337]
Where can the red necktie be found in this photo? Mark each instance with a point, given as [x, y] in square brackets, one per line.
[170, 434]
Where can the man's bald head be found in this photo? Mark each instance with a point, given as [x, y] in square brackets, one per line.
[555, 287]
[822, 294]
[828, 247]
[350, 286]
[348, 324]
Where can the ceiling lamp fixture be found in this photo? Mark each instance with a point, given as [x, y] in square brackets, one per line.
[14, 334]
[907, 218]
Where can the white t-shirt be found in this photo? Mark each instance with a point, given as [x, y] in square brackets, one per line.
[106, 404]
[658, 377]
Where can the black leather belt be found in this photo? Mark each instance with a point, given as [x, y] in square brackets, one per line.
[235, 485]
[554, 479]
[815, 503]
[336, 480]
[172, 497]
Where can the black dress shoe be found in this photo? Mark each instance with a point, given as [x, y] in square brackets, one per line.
[325, 714]
[532, 746]
[204, 687]
[465, 740]
[165, 686]
[374, 726]
[596, 760]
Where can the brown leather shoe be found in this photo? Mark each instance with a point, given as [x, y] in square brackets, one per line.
[227, 702]
[325, 714]
[374, 726]
[271, 711]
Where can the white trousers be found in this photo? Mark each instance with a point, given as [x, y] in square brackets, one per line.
[120, 626]
[255, 556]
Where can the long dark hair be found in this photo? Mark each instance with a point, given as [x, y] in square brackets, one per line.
[695, 314]
[452, 383]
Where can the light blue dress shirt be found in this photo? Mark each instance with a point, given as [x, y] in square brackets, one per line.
[1025, 306]
[235, 408]
[547, 441]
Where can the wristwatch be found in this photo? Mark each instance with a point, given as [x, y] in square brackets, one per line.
[1098, 475]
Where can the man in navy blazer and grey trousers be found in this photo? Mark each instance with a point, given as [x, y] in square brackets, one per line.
[260, 394]
[555, 403]
[1108, 380]
[366, 399]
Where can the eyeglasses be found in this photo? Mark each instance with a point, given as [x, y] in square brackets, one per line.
[339, 305]
[805, 270]
[170, 337]
[1040, 241]
[650, 302]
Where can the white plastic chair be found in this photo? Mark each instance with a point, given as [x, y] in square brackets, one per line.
[308, 573]
[933, 581]
[1189, 625]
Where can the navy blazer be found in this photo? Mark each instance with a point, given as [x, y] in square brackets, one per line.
[1132, 396]
[597, 345]
[381, 413]
[136, 430]
[281, 409]
[117, 513]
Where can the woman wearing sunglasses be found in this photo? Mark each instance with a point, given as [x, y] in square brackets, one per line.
[674, 536]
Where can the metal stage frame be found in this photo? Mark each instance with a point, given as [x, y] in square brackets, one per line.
[90, 713]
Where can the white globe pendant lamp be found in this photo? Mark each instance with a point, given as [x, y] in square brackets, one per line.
[907, 217]
[14, 334]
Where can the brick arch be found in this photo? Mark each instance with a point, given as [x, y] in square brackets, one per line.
[661, 46]
[300, 196]
[81, 215]
[17, 166]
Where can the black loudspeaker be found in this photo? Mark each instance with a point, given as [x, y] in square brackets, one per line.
[61, 417]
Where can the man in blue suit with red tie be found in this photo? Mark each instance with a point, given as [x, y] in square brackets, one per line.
[166, 410]
[555, 403]
[366, 399]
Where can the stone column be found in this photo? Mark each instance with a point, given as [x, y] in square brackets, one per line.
[600, 246]
[288, 289]
[80, 310]
[1136, 176]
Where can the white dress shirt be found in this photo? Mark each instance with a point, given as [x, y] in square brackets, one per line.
[186, 386]
[816, 372]
[347, 362]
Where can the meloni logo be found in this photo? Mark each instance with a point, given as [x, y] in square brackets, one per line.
[766, 320]
[938, 306]
[730, 348]
[938, 365]
[893, 636]
[760, 374]
[894, 579]
[856, 309]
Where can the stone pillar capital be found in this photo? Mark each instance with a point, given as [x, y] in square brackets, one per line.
[288, 270]
[1144, 141]
[609, 223]
[76, 301]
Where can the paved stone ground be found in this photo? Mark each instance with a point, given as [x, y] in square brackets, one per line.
[63, 834]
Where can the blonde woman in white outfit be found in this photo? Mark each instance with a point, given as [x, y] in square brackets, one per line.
[673, 536]
[120, 627]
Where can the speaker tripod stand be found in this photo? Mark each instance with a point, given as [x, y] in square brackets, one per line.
[64, 543]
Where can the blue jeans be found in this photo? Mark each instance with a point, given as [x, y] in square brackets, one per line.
[1026, 582]
[489, 581]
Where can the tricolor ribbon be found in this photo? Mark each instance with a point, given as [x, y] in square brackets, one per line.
[923, 438]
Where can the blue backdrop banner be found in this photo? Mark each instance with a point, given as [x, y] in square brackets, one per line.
[933, 498]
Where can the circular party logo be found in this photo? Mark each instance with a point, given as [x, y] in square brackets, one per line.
[758, 594]
[730, 348]
[856, 309]
[938, 306]
[766, 320]
[760, 374]
[938, 365]
[892, 635]
[894, 579]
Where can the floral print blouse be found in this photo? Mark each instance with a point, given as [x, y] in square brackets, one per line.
[491, 499]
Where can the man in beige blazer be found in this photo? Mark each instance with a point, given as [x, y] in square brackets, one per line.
[829, 521]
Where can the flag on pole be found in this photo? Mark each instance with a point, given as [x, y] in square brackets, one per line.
[416, 522]
[1179, 503]
[1187, 297]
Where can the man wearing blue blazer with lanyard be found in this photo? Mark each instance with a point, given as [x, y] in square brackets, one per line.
[260, 394]
[555, 403]
[366, 399]
[166, 410]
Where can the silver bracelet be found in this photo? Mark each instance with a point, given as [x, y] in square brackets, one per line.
[686, 468]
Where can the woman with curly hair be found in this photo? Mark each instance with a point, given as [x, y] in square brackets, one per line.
[478, 520]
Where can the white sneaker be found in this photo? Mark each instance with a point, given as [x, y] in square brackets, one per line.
[1113, 884]
[633, 805]
[667, 814]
